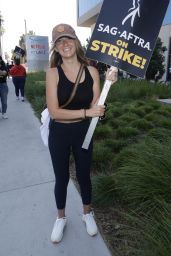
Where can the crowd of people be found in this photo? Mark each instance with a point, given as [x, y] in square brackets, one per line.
[18, 74]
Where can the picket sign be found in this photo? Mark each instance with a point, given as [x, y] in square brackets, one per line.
[125, 38]
[103, 96]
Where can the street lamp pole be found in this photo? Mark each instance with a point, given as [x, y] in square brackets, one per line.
[25, 27]
[0, 36]
[25, 40]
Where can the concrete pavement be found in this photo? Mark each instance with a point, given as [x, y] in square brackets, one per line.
[27, 204]
[166, 101]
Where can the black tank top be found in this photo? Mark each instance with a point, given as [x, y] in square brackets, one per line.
[84, 93]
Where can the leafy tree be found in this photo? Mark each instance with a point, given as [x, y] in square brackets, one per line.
[22, 39]
[156, 68]
[22, 42]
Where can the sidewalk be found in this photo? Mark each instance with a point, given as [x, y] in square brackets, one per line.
[27, 204]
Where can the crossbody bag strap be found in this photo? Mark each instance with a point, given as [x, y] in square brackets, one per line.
[75, 86]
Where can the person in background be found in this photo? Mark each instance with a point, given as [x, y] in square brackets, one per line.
[69, 125]
[3, 88]
[18, 73]
[11, 65]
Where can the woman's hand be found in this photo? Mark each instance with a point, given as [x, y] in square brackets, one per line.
[95, 111]
[112, 74]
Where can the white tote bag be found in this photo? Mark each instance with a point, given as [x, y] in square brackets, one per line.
[44, 128]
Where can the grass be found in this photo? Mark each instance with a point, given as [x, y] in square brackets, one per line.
[35, 91]
[131, 171]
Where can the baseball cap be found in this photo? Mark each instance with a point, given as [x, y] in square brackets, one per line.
[62, 30]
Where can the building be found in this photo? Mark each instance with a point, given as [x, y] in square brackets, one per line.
[87, 13]
[165, 35]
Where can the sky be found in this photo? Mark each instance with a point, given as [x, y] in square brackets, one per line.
[167, 19]
[41, 17]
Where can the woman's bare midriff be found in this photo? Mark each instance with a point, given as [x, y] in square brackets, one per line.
[68, 121]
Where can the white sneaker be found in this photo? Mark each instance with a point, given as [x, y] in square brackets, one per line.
[4, 116]
[91, 226]
[17, 98]
[22, 99]
[58, 229]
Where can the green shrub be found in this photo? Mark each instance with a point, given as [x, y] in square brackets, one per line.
[144, 174]
[138, 111]
[114, 145]
[155, 104]
[103, 190]
[131, 162]
[152, 235]
[142, 124]
[126, 132]
[152, 117]
[103, 131]
[160, 134]
[164, 122]
[162, 112]
[116, 111]
[35, 91]
[128, 117]
[38, 105]
[101, 157]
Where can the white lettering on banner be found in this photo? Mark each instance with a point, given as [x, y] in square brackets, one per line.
[38, 52]
[124, 34]
[107, 29]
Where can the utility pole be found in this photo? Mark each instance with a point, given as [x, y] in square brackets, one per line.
[0, 35]
[25, 39]
[25, 27]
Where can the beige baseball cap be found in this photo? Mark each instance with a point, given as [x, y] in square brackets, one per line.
[63, 30]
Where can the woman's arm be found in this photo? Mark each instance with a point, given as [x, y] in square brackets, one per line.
[94, 109]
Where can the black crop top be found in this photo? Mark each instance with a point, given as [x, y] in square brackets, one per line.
[84, 92]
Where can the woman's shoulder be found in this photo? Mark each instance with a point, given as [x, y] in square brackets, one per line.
[52, 75]
[93, 71]
[52, 71]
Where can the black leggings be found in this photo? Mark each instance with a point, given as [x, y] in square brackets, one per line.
[62, 139]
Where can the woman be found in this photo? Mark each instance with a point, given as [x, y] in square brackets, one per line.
[69, 125]
[3, 88]
[18, 73]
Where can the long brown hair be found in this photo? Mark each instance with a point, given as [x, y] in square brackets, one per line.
[55, 57]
